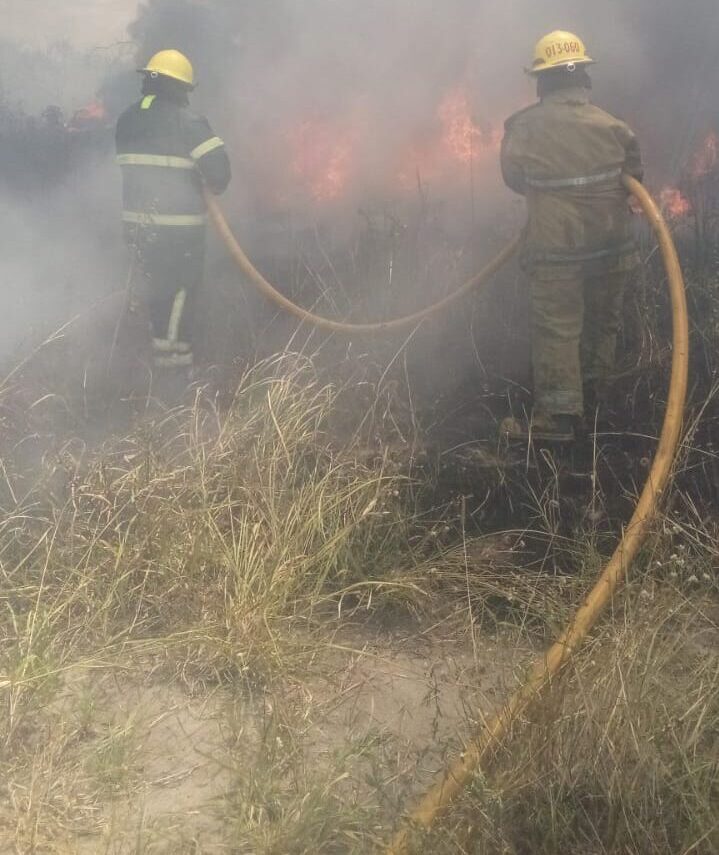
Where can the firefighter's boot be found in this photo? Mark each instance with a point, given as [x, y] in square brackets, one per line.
[557, 429]
[170, 384]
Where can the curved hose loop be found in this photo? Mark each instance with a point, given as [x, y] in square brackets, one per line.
[266, 288]
[482, 745]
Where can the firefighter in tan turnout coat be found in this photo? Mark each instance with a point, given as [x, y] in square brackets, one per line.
[567, 157]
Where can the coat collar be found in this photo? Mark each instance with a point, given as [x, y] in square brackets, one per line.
[574, 95]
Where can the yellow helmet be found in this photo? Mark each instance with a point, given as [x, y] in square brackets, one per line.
[559, 49]
[171, 63]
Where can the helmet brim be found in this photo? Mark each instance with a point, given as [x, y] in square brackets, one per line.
[168, 76]
[535, 72]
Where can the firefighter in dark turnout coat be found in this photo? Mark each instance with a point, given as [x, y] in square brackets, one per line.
[167, 153]
[567, 158]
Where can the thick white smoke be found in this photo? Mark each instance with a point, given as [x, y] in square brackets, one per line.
[381, 69]
[81, 23]
[360, 90]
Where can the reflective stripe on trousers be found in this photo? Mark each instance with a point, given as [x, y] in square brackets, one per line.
[173, 360]
[163, 345]
[170, 352]
[145, 219]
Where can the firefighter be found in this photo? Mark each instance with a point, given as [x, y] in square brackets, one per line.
[167, 153]
[567, 158]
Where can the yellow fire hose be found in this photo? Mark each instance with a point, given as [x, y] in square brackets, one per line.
[482, 744]
[259, 281]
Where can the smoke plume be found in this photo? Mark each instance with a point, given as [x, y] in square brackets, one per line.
[338, 110]
[361, 84]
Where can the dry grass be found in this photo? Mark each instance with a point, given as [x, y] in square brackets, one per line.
[211, 542]
[623, 756]
[218, 559]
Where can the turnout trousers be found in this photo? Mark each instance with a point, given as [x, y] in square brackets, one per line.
[574, 327]
[170, 264]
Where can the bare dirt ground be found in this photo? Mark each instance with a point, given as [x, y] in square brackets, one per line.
[155, 762]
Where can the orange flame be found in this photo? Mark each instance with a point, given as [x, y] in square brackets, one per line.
[93, 112]
[459, 140]
[323, 152]
[322, 159]
[673, 203]
[460, 135]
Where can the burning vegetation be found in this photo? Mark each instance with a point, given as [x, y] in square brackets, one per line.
[322, 159]
[702, 170]
[324, 154]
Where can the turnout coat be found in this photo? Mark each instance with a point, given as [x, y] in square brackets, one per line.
[567, 157]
